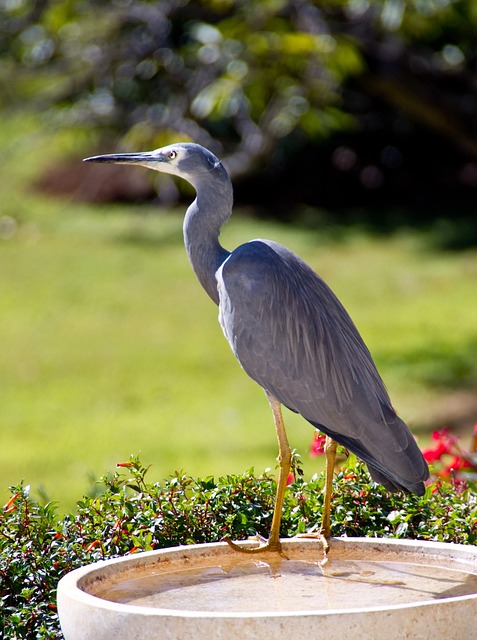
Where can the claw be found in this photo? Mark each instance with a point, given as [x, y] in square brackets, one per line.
[319, 535]
[264, 546]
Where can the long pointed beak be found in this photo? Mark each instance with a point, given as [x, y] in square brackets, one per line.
[130, 158]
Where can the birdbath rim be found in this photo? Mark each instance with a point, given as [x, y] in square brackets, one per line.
[89, 593]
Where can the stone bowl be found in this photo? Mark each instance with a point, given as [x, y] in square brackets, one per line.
[369, 588]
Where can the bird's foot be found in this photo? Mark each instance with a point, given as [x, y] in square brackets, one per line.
[264, 546]
[323, 537]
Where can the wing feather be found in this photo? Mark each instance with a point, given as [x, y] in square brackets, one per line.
[292, 335]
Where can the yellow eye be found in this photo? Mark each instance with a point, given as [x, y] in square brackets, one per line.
[172, 154]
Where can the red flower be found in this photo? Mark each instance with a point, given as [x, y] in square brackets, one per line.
[290, 478]
[317, 445]
[445, 442]
[133, 550]
[436, 453]
[91, 546]
[8, 507]
[455, 465]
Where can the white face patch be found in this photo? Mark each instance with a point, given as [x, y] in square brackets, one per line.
[162, 167]
[171, 161]
[168, 161]
[185, 160]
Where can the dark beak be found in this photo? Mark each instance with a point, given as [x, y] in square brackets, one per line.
[121, 158]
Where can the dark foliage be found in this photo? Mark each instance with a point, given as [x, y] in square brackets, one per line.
[37, 546]
[341, 105]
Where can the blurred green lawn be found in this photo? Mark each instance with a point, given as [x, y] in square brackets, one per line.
[110, 346]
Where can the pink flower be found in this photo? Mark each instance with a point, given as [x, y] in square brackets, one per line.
[445, 435]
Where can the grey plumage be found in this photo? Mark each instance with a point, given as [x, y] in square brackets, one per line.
[286, 327]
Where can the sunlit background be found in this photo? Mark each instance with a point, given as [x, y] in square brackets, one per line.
[349, 129]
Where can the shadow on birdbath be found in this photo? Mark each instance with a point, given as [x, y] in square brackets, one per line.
[370, 588]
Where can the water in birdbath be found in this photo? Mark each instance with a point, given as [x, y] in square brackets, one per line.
[396, 589]
[244, 584]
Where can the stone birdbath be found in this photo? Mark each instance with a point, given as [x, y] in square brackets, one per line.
[370, 588]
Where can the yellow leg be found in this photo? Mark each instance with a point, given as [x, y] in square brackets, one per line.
[324, 532]
[330, 453]
[284, 460]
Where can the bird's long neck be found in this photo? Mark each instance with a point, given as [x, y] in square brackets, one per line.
[202, 224]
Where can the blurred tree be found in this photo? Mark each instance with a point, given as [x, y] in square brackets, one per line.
[262, 77]
[249, 73]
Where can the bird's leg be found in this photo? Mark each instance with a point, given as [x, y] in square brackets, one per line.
[330, 453]
[284, 460]
[324, 532]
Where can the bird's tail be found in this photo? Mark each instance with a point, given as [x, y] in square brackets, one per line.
[391, 485]
[412, 481]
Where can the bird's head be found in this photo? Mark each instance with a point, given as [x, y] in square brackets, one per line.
[185, 159]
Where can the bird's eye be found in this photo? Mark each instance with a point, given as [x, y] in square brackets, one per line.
[172, 154]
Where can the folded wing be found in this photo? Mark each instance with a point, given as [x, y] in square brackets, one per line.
[292, 335]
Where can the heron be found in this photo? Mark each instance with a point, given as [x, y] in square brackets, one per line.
[292, 335]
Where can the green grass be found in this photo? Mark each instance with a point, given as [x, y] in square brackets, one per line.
[110, 346]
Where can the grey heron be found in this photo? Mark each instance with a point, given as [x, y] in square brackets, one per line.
[291, 335]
